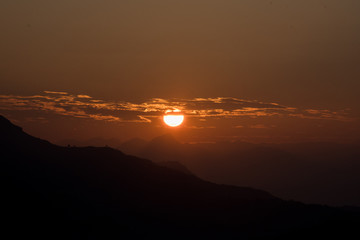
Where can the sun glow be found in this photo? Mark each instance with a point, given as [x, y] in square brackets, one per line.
[173, 118]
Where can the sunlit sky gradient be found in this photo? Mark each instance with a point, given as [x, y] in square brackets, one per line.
[301, 56]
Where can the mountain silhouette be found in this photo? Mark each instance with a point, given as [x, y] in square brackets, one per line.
[95, 142]
[57, 192]
[318, 172]
[163, 148]
[175, 166]
[133, 145]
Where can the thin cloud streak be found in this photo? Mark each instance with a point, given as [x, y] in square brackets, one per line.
[84, 106]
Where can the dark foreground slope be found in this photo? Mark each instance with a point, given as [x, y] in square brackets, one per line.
[100, 193]
[313, 172]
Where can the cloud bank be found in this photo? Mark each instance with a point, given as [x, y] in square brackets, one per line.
[84, 106]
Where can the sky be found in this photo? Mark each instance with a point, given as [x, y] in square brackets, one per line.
[250, 70]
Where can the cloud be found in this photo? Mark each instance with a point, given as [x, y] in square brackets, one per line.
[83, 96]
[58, 93]
[84, 106]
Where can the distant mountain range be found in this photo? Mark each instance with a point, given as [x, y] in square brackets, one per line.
[323, 173]
[53, 192]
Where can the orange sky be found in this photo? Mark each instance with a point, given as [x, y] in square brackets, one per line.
[301, 55]
[60, 115]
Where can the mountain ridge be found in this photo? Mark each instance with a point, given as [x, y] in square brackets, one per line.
[102, 193]
[314, 173]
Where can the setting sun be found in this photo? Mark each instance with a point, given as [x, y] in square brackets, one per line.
[173, 119]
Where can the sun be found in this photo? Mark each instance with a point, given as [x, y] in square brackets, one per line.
[173, 118]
